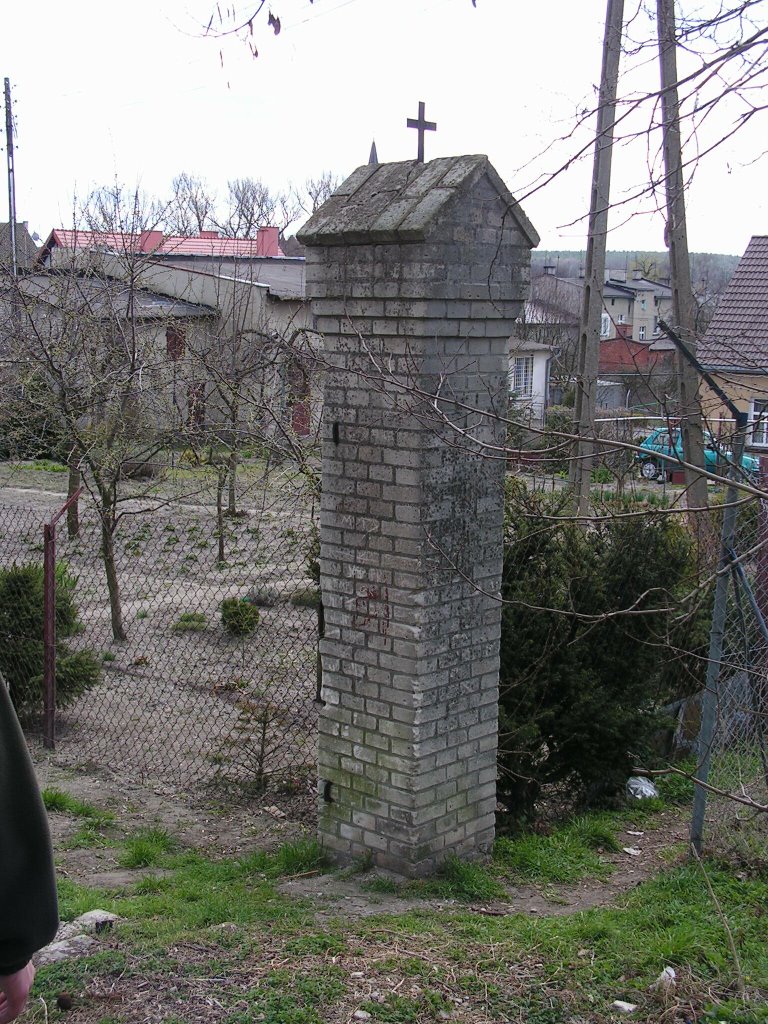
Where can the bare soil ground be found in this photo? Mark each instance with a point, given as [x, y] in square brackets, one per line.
[206, 980]
[182, 701]
[235, 829]
[159, 744]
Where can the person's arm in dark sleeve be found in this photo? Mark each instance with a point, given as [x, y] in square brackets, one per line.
[28, 908]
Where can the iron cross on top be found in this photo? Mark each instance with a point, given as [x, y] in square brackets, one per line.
[421, 125]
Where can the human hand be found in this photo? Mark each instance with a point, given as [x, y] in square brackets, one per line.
[14, 989]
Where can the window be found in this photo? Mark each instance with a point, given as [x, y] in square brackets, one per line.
[641, 334]
[196, 405]
[175, 342]
[522, 376]
[605, 325]
[299, 397]
[621, 318]
[759, 422]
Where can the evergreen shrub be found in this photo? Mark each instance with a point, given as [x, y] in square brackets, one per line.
[557, 420]
[581, 686]
[21, 639]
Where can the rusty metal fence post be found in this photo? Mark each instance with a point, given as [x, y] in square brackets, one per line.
[49, 622]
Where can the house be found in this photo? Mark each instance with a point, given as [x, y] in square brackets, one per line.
[220, 334]
[735, 347]
[632, 354]
[106, 335]
[632, 309]
[62, 242]
[26, 250]
[530, 359]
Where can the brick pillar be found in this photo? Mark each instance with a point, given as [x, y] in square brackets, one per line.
[417, 273]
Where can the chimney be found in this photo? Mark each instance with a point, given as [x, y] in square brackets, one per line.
[209, 234]
[637, 275]
[149, 241]
[267, 242]
[549, 269]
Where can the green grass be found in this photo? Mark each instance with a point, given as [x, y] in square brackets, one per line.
[42, 465]
[64, 803]
[735, 1012]
[605, 954]
[675, 788]
[567, 855]
[75, 975]
[669, 921]
[456, 880]
[284, 997]
[189, 622]
[195, 895]
[296, 858]
[315, 945]
[547, 970]
[308, 597]
[148, 848]
[86, 837]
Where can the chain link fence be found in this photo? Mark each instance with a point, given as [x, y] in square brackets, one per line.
[195, 697]
[216, 681]
[738, 776]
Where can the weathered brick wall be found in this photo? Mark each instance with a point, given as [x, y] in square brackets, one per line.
[411, 523]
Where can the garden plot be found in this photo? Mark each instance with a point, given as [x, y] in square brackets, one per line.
[184, 699]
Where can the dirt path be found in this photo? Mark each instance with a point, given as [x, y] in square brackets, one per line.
[337, 896]
[234, 830]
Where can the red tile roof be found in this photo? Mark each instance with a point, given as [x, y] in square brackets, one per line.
[207, 243]
[737, 337]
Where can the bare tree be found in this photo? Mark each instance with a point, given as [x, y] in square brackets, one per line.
[250, 204]
[191, 207]
[88, 362]
[316, 191]
[117, 209]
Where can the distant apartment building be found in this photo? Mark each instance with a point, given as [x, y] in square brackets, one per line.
[633, 352]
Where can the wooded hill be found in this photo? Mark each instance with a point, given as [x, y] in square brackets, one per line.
[710, 272]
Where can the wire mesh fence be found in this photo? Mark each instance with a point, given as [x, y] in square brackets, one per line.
[738, 775]
[216, 680]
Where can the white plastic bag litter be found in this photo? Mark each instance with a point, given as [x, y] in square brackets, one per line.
[639, 788]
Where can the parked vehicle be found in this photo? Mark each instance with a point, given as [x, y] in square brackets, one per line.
[667, 441]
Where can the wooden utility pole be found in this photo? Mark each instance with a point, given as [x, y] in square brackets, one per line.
[594, 270]
[11, 176]
[683, 312]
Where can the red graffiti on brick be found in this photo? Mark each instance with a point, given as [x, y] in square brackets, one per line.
[372, 606]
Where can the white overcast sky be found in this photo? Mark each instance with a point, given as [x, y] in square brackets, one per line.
[107, 91]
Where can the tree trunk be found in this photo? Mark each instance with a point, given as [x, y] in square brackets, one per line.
[108, 554]
[73, 512]
[232, 474]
